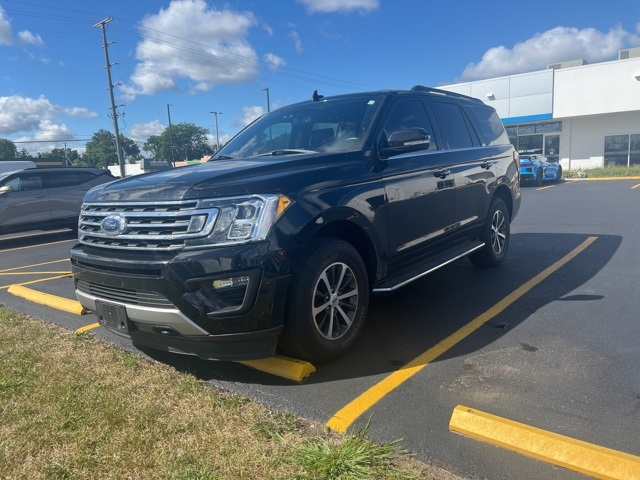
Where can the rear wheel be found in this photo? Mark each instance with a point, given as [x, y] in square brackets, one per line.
[495, 235]
[327, 303]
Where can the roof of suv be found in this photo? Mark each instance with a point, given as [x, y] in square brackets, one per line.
[95, 170]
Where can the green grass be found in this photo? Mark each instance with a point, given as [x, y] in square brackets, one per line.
[604, 172]
[74, 407]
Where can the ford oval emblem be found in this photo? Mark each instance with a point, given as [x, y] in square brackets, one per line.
[113, 225]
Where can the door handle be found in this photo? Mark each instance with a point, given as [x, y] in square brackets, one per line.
[487, 165]
[442, 173]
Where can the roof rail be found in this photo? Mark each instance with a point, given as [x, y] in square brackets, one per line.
[422, 88]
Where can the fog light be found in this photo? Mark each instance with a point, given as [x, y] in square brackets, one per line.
[231, 282]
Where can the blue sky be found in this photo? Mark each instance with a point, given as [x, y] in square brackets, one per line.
[201, 56]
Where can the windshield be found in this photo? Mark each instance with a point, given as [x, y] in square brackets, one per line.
[333, 125]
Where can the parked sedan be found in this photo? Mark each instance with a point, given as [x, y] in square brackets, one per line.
[536, 168]
[45, 198]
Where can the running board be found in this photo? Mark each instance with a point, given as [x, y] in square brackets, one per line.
[427, 267]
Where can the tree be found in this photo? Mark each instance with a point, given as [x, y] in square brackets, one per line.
[189, 142]
[23, 154]
[101, 150]
[7, 148]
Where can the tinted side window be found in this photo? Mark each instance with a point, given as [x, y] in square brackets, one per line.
[452, 124]
[489, 126]
[24, 182]
[409, 114]
[67, 179]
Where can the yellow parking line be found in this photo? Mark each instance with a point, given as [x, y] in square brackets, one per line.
[31, 266]
[281, 366]
[38, 245]
[87, 328]
[71, 306]
[33, 273]
[636, 186]
[583, 457]
[39, 280]
[347, 415]
[544, 188]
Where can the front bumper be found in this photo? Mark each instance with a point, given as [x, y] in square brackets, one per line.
[171, 302]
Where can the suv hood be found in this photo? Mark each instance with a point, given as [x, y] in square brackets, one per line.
[225, 178]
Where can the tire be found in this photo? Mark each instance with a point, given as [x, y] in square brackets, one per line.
[559, 175]
[495, 235]
[321, 323]
[539, 177]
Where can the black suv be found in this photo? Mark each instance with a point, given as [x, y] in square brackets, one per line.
[282, 237]
[45, 198]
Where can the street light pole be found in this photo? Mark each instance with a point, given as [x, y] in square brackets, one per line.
[217, 137]
[268, 103]
[170, 136]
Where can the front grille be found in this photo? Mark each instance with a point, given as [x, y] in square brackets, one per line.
[124, 295]
[145, 226]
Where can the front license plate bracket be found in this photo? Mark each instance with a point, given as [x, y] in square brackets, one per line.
[112, 316]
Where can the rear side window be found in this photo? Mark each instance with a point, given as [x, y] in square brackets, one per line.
[67, 179]
[489, 126]
[452, 124]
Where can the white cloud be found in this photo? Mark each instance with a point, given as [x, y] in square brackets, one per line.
[555, 45]
[249, 114]
[25, 37]
[25, 114]
[140, 132]
[344, 6]
[29, 38]
[274, 61]
[5, 29]
[296, 41]
[191, 46]
[267, 29]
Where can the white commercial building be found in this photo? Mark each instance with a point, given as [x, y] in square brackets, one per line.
[582, 115]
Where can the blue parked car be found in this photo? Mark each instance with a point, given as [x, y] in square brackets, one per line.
[534, 169]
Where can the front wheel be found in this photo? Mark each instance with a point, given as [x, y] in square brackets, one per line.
[559, 175]
[327, 303]
[539, 177]
[495, 235]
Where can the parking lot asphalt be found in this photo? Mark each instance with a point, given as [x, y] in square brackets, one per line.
[544, 345]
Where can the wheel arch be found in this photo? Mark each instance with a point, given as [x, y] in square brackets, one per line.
[504, 193]
[357, 237]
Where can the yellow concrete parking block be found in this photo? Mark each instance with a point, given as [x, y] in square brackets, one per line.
[583, 457]
[71, 306]
[280, 366]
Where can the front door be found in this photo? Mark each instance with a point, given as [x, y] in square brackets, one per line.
[419, 191]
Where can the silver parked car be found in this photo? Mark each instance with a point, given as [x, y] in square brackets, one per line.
[45, 198]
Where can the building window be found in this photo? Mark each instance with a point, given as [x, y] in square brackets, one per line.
[622, 150]
[537, 138]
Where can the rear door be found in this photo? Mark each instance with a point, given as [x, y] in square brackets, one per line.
[474, 163]
[28, 202]
[66, 189]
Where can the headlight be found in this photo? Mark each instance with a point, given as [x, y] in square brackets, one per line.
[241, 219]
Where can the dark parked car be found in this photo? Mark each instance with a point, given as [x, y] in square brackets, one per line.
[535, 169]
[282, 237]
[45, 198]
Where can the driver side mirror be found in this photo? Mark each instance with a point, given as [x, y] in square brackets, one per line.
[405, 141]
[5, 190]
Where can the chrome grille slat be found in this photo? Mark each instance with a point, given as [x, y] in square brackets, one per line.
[161, 225]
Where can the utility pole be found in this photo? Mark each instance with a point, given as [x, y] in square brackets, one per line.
[217, 137]
[268, 104]
[114, 113]
[173, 163]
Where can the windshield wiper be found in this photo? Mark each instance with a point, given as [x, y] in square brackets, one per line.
[221, 157]
[286, 151]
